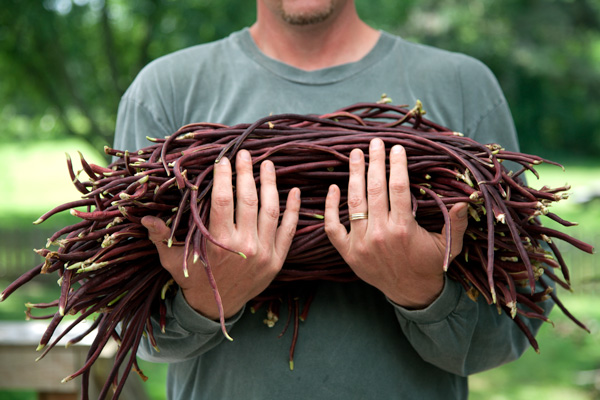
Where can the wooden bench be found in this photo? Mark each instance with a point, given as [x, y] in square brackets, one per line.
[19, 370]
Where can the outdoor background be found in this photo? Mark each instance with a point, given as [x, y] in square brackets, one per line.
[65, 63]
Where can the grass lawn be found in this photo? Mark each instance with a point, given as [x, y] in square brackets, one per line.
[36, 180]
[35, 177]
[565, 368]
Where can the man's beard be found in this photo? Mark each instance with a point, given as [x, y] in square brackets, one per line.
[307, 18]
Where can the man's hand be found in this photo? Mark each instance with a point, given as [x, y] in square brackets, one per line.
[240, 226]
[390, 250]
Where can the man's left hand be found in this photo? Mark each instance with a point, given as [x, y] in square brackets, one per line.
[389, 249]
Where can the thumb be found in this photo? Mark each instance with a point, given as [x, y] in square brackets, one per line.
[158, 232]
[458, 225]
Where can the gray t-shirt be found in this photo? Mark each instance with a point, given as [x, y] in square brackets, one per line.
[355, 343]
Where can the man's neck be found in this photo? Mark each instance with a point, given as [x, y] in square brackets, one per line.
[342, 39]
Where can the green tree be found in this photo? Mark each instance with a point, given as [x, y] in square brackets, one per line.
[69, 61]
[545, 53]
[66, 63]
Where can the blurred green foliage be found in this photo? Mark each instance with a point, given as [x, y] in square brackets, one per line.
[65, 63]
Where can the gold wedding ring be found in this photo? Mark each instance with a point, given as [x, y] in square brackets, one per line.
[355, 216]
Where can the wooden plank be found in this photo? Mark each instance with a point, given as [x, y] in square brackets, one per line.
[23, 333]
[19, 370]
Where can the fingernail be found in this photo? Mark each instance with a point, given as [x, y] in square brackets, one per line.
[397, 149]
[244, 155]
[269, 166]
[223, 161]
[376, 143]
[355, 156]
[462, 213]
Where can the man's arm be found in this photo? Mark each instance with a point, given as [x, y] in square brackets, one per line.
[187, 333]
[463, 336]
[237, 222]
[456, 333]
[390, 251]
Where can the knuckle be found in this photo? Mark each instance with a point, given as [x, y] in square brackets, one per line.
[375, 189]
[250, 250]
[378, 237]
[398, 187]
[272, 267]
[360, 252]
[221, 199]
[354, 201]
[216, 254]
[401, 233]
[248, 199]
[271, 212]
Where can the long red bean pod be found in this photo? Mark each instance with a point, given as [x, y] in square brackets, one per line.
[109, 268]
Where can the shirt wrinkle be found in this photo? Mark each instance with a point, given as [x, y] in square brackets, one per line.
[145, 108]
[492, 107]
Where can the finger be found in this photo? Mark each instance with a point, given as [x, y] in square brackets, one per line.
[221, 207]
[357, 200]
[247, 199]
[377, 197]
[159, 234]
[289, 221]
[335, 230]
[268, 216]
[458, 226]
[158, 231]
[400, 199]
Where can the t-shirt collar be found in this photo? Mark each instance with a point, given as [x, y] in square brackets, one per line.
[316, 77]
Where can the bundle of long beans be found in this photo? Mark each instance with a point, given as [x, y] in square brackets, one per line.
[108, 268]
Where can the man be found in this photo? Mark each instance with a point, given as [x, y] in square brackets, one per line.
[403, 331]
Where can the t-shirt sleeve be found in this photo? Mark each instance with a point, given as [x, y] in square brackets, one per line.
[187, 333]
[463, 336]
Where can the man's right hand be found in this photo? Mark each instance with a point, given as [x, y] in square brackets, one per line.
[241, 226]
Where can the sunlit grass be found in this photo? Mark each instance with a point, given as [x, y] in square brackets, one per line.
[35, 177]
[568, 357]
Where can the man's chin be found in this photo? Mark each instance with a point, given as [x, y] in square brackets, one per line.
[311, 17]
